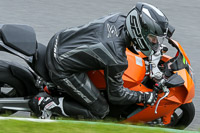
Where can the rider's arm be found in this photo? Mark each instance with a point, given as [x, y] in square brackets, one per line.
[117, 93]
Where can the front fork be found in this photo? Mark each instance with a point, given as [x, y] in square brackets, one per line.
[167, 118]
[155, 74]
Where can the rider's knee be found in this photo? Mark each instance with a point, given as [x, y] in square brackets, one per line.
[100, 107]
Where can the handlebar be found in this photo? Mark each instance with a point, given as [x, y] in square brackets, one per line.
[157, 75]
[162, 79]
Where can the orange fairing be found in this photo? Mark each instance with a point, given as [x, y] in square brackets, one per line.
[148, 114]
[178, 96]
[134, 74]
[188, 85]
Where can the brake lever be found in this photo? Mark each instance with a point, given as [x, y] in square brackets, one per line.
[166, 90]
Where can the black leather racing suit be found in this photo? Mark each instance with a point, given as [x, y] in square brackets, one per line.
[101, 44]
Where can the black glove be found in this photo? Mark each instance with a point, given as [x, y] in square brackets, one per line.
[149, 97]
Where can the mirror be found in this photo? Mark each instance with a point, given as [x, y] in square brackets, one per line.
[171, 30]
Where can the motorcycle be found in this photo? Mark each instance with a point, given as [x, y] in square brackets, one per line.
[171, 77]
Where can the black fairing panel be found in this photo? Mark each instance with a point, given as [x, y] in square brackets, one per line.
[20, 37]
[25, 76]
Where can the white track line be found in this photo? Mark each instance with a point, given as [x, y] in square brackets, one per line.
[27, 119]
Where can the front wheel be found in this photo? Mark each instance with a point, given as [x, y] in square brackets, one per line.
[183, 116]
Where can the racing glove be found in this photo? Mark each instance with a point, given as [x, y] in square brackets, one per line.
[148, 98]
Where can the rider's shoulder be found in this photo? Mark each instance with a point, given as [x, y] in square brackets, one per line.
[115, 17]
[110, 17]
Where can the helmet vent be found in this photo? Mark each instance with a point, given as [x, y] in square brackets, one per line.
[146, 11]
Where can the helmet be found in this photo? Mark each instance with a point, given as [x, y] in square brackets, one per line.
[147, 27]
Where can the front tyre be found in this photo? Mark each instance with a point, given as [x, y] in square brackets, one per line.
[183, 116]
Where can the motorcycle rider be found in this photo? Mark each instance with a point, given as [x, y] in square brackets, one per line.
[101, 44]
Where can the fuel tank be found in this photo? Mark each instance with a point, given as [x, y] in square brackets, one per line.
[133, 75]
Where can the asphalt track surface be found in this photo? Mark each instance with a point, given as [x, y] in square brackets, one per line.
[50, 16]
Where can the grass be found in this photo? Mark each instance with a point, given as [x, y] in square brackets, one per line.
[69, 126]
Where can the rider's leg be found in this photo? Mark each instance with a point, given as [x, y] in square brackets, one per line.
[82, 90]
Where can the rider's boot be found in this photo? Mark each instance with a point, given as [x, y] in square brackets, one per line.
[44, 107]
